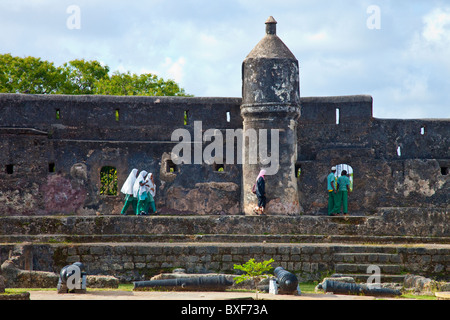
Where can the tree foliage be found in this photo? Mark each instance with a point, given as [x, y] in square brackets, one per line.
[33, 75]
[29, 75]
[81, 77]
[254, 271]
[126, 84]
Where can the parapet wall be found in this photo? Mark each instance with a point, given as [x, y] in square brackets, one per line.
[116, 118]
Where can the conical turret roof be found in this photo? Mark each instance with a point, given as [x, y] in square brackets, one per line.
[271, 46]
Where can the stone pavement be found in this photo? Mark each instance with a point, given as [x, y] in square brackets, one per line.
[162, 295]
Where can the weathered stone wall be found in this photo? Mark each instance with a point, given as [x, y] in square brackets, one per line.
[128, 261]
[387, 222]
[51, 165]
[56, 146]
[416, 176]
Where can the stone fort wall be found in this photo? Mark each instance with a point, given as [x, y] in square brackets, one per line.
[54, 148]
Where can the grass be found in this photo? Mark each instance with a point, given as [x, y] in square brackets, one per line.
[418, 297]
[122, 287]
[306, 287]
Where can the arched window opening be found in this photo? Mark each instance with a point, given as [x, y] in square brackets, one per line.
[108, 181]
[298, 170]
[171, 167]
[349, 169]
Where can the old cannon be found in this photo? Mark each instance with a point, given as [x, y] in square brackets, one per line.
[287, 282]
[353, 288]
[213, 283]
[72, 279]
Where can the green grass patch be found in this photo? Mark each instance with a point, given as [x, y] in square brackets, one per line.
[418, 297]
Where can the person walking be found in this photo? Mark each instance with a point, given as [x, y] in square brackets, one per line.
[140, 192]
[127, 189]
[332, 192]
[343, 183]
[151, 193]
[260, 190]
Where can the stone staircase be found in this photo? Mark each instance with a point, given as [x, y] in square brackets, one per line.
[399, 228]
[360, 265]
[131, 247]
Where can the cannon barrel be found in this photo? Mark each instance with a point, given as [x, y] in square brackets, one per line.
[216, 283]
[287, 281]
[65, 274]
[353, 288]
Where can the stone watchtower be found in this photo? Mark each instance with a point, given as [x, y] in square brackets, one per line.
[271, 101]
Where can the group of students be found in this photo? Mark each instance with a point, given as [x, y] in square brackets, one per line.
[338, 192]
[139, 190]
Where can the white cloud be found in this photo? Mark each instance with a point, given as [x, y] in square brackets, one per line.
[175, 69]
[437, 26]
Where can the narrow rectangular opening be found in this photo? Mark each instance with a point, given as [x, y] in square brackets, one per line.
[228, 116]
[444, 171]
[399, 151]
[117, 115]
[186, 117]
[51, 167]
[57, 114]
[422, 131]
[218, 167]
[338, 117]
[298, 170]
[9, 168]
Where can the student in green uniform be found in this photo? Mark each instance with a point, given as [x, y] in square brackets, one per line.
[127, 190]
[151, 191]
[140, 192]
[343, 183]
[332, 192]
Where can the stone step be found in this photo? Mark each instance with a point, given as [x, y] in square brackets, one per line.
[264, 228]
[384, 278]
[236, 238]
[347, 268]
[368, 257]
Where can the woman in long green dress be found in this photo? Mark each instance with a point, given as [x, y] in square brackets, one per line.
[151, 193]
[127, 189]
[140, 191]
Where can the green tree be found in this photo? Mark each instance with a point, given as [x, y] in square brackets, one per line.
[29, 75]
[33, 75]
[254, 271]
[82, 76]
[127, 84]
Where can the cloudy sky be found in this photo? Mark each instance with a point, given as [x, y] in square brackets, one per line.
[397, 51]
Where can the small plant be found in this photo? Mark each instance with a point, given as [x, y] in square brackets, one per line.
[255, 271]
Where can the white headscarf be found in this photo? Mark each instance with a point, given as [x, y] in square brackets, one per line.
[127, 187]
[152, 186]
[261, 174]
[137, 189]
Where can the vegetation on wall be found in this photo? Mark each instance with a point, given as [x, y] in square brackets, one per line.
[108, 181]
